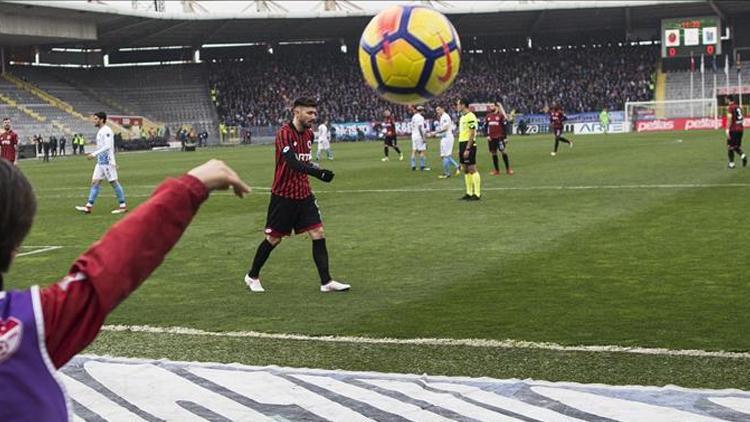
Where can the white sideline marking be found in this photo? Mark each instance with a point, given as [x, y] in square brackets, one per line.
[266, 190]
[503, 344]
[532, 188]
[40, 250]
[495, 188]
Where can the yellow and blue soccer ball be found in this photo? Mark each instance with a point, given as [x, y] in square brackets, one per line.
[409, 54]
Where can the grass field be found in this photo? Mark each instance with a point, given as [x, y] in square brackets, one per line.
[630, 240]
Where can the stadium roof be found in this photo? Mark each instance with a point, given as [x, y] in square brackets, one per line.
[544, 21]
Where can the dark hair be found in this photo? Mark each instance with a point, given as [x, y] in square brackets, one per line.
[102, 115]
[731, 98]
[6, 118]
[305, 102]
[465, 101]
[17, 209]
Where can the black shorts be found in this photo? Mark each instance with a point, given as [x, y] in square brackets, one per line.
[557, 132]
[285, 215]
[496, 145]
[472, 159]
[391, 141]
[735, 140]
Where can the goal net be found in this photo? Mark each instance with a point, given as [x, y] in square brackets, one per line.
[654, 111]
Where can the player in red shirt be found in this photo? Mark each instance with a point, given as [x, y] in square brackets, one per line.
[734, 132]
[8, 143]
[389, 127]
[556, 120]
[495, 125]
[74, 309]
[293, 205]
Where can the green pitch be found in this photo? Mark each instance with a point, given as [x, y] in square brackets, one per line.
[629, 240]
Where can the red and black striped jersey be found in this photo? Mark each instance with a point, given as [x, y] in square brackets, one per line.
[495, 125]
[8, 145]
[556, 118]
[735, 118]
[390, 126]
[287, 182]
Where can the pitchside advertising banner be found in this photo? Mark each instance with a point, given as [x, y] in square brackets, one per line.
[667, 125]
[578, 123]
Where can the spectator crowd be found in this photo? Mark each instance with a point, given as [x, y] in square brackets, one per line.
[256, 91]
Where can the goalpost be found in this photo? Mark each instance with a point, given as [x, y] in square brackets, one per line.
[670, 109]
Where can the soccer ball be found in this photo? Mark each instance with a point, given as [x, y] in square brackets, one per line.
[409, 54]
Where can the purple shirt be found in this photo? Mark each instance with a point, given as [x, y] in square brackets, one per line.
[29, 387]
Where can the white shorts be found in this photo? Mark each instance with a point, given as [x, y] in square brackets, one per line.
[105, 171]
[418, 145]
[324, 145]
[446, 147]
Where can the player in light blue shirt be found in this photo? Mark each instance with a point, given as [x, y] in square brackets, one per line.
[106, 166]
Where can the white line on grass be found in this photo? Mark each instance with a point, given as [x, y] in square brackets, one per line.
[502, 344]
[40, 250]
[265, 190]
[530, 188]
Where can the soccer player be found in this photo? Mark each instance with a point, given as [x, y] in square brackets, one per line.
[467, 150]
[324, 141]
[604, 120]
[106, 166]
[418, 140]
[496, 136]
[9, 143]
[734, 132]
[43, 328]
[293, 205]
[556, 119]
[445, 131]
[390, 140]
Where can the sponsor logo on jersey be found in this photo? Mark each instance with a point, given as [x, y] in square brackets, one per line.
[11, 331]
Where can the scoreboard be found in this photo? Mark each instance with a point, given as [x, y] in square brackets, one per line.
[683, 37]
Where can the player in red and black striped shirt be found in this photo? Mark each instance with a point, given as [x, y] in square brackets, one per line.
[389, 126]
[293, 206]
[735, 129]
[8, 142]
[496, 136]
[556, 120]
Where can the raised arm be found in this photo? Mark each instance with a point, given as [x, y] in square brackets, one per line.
[75, 308]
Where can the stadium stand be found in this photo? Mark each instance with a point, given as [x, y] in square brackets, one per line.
[53, 120]
[678, 82]
[173, 95]
[254, 91]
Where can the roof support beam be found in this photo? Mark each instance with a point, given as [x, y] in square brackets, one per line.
[715, 7]
[136, 37]
[628, 23]
[538, 21]
[206, 38]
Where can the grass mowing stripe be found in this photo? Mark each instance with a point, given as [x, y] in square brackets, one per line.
[503, 344]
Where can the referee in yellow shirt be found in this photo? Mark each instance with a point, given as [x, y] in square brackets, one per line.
[467, 150]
